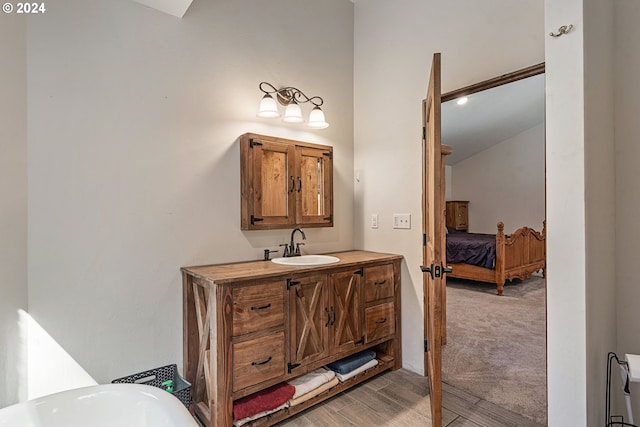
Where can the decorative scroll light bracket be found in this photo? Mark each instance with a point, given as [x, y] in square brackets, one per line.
[565, 29]
[291, 97]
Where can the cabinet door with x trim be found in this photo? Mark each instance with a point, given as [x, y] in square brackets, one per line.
[309, 319]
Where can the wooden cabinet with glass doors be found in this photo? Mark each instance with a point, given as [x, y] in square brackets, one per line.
[285, 183]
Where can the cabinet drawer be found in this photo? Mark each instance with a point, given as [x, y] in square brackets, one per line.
[380, 321]
[378, 282]
[258, 360]
[258, 307]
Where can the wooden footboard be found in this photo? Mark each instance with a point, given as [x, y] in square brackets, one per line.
[518, 256]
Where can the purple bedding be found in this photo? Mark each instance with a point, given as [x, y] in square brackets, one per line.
[471, 248]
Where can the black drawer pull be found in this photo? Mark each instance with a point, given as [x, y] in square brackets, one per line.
[381, 321]
[264, 362]
[262, 307]
[380, 282]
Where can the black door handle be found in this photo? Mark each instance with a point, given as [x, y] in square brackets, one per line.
[429, 270]
[436, 270]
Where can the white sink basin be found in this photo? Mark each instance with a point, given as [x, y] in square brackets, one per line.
[307, 260]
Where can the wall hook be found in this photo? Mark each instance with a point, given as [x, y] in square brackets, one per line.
[562, 30]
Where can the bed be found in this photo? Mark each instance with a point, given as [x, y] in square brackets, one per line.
[497, 258]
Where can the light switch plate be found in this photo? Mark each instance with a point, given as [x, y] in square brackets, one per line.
[374, 220]
[401, 220]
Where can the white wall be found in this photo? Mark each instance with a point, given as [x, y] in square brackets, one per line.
[13, 206]
[600, 198]
[134, 164]
[580, 181]
[394, 45]
[627, 158]
[566, 294]
[504, 183]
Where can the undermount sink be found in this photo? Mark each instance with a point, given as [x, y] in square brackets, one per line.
[306, 260]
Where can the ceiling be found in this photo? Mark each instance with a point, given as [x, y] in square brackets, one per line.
[492, 116]
[172, 7]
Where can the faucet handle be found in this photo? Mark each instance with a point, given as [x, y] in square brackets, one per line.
[285, 251]
[267, 254]
[298, 248]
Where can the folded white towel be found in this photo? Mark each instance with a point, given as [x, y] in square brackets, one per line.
[313, 393]
[238, 423]
[311, 381]
[370, 364]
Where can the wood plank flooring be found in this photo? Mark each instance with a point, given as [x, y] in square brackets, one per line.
[400, 399]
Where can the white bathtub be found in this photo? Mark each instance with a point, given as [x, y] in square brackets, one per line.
[108, 405]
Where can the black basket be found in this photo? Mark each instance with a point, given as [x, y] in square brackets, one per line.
[155, 378]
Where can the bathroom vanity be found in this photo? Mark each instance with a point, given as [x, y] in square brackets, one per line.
[250, 325]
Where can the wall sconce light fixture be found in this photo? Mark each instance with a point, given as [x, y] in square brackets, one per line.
[291, 97]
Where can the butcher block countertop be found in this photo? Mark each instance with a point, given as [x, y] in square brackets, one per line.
[234, 272]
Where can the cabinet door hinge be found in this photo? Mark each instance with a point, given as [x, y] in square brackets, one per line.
[424, 133]
[291, 283]
[359, 272]
[424, 239]
[255, 219]
[426, 346]
[328, 218]
[253, 143]
[328, 154]
[360, 341]
[292, 366]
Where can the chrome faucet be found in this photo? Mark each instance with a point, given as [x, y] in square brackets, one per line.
[294, 249]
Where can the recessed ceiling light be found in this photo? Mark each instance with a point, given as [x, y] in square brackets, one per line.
[462, 101]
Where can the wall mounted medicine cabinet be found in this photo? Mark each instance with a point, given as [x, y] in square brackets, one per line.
[284, 183]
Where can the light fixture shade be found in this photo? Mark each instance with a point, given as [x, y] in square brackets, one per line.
[293, 113]
[268, 107]
[316, 119]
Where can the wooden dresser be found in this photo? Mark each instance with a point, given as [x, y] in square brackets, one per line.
[457, 215]
[248, 326]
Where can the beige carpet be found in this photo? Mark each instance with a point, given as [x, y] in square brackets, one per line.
[496, 345]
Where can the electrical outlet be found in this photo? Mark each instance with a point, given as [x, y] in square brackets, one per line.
[401, 220]
[374, 220]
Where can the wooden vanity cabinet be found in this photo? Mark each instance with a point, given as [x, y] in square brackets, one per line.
[248, 326]
[284, 183]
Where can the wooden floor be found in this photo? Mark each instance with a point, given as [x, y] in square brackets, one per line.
[400, 399]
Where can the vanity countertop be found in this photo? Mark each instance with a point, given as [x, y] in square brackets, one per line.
[249, 270]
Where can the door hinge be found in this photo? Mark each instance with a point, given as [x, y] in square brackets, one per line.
[426, 346]
[328, 218]
[255, 219]
[328, 154]
[424, 239]
[359, 272]
[291, 283]
[253, 143]
[360, 341]
[292, 366]
[424, 133]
